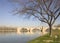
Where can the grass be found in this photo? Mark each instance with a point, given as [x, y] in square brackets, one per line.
[47, 39]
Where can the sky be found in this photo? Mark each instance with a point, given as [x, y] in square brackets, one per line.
[8, 19]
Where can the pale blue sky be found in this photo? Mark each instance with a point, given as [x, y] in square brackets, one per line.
[7, 18]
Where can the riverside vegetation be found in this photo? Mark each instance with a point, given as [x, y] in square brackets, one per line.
[55, 38]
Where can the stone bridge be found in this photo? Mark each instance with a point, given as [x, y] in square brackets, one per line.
[39, 30]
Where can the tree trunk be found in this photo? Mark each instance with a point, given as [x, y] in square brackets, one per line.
[50, 30]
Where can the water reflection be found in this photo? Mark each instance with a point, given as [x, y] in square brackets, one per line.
[16, 38]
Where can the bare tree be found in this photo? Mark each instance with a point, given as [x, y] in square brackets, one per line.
[46, 11]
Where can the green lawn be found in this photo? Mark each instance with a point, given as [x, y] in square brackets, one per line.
[47, 39]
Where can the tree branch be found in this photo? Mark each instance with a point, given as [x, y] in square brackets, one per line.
[56, 18]
[57, 10]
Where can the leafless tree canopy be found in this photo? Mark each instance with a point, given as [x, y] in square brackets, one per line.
[46, 11]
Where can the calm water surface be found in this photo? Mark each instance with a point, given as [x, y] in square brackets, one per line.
[17, 38]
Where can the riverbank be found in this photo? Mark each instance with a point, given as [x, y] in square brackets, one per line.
[47, 39]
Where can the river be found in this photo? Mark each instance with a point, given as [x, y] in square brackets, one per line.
[17, 38]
